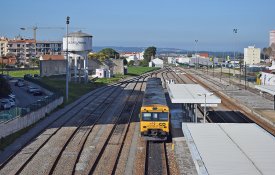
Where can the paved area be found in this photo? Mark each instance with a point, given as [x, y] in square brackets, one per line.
[183, 156]
[38, 128]
[22, 97]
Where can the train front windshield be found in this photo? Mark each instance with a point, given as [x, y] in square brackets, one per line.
[155, 116]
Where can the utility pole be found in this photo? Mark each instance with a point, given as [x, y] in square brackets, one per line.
[221, 74]
[240, 72]
[213, 67]
[245, 75]
[204, 111]
[235, 31]
[67, 56]
[229, 74]
[196, 43]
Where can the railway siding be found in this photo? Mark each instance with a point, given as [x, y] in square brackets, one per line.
[243, 105]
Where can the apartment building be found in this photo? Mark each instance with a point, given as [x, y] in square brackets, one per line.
[3, 46]
[23, 49]
[271, 37]
[252, 55]
[48, 48]
[26, 49]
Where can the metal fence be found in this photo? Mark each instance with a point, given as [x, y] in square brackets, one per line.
[10, 114]
[18, 112]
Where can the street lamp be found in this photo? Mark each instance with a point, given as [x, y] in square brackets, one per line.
[235, 31]
[204, 111]
[67, 56]
[196, 50]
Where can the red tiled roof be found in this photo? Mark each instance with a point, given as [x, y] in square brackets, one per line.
[22, 41]
[52, 57]
[8, 60]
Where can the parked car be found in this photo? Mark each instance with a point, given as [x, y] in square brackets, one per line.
[12, 102]
[32, 89]
[5, 104]
[12, 96]
[7, 77]
[21, 84]
[37, 92]
[19, 81]
[27, 76]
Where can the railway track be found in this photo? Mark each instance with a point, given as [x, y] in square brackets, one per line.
[57, 139]
[107, 159]
[93, 139]
[234, 116]
[156, 159]
[66, 117]
[23, 159]
[231, 104]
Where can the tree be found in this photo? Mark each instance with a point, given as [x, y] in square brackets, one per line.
[144, 63]
[125, 62]
[111, 53]
[273, 50]
[269, 51]
[264, 52]
[131, 63]
[148, 53]
[5, 88]
[100, 56]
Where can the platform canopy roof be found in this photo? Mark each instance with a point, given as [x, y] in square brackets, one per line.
[266, 88]
[191, 93]
[230, 148]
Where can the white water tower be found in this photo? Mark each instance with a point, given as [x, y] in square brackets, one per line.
[79, 45]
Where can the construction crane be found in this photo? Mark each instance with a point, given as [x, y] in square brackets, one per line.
[34, 28]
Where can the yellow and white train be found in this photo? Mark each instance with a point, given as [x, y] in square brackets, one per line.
[154, 113]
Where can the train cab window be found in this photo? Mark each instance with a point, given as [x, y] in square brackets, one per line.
[163, 116]
[146, 116]
[155, 116]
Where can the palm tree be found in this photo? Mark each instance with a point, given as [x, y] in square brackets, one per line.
[264, 52]
[269, 52]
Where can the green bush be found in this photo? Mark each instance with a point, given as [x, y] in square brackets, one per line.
[5, 88]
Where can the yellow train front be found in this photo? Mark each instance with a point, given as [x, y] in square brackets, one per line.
[154, 113]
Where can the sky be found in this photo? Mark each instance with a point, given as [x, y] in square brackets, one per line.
[143, 23]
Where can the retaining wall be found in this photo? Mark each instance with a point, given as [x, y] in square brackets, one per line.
[18, 123]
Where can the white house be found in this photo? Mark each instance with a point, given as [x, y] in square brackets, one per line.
[132, 58]
[172, 60]
[156, 63]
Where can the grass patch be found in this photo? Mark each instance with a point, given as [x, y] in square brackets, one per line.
[114, 79]
[21, 73]
[76, 90]
[138, 70]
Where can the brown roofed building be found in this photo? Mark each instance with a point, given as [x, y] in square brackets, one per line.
[52, 57]
[8, 60]
[23, 49]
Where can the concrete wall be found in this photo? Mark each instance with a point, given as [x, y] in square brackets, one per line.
[58, 67]
[52, 67]
[118, 66]
[93, 64]
[19, 123]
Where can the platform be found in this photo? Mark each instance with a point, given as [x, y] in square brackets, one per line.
[266, 88]
[225, 149]
[191, 94]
